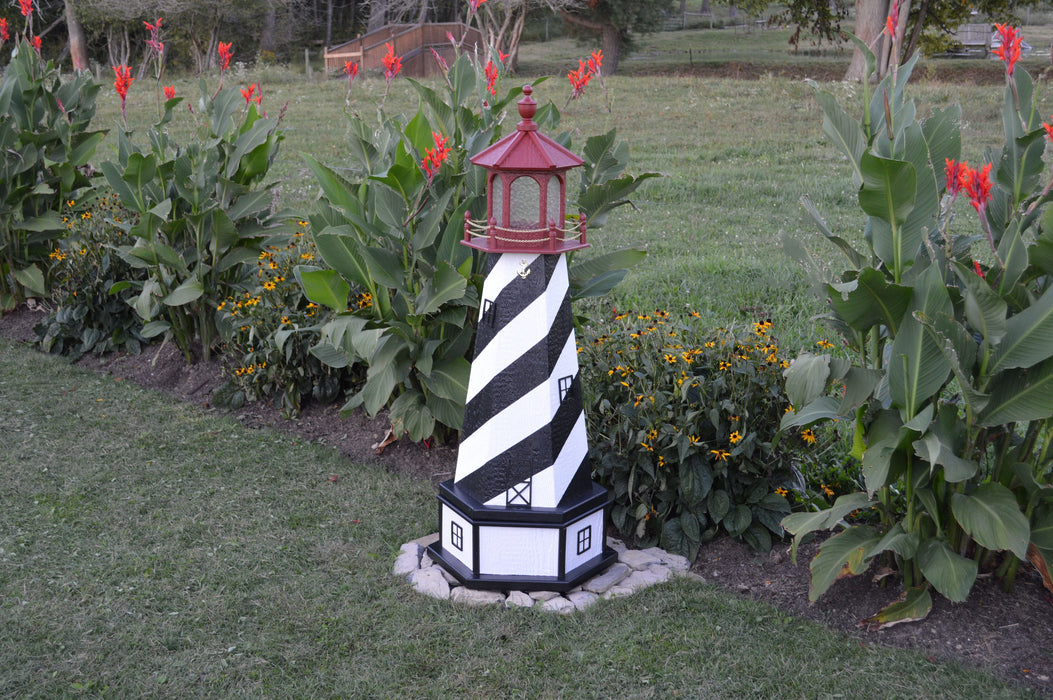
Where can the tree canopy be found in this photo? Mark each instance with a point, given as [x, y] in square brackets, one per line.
[618, 22]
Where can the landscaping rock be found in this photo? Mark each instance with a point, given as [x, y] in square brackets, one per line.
[476, 598]
[518, 599]
[407, 562]
[638, 559]
[430, 582]
[542, 596]
[425, 561]
[613, 575]
[558, 604]
[673, 561]
[582, 599]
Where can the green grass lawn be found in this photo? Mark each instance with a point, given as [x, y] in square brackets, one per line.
[149, 548]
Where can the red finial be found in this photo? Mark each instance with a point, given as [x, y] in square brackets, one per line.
[527, 110]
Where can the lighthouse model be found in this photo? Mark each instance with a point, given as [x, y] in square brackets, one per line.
[522, 512]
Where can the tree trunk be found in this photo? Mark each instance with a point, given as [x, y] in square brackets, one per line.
[270, 20]
[378, 10]
[513, 43]
[915, 36]
[78, 45]
[611, 42]
[870, 20]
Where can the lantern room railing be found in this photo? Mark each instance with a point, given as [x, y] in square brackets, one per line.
[492, 238]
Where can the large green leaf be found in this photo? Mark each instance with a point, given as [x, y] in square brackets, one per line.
[870, 300]
[1028, 338]
[339, 192]
[340, 249]
[949, 573]
[190, 290]
[599, 200]
[605, 158]
[934, 451]
[845, 554]
[324, 287]
[449, 379]
[842, 129]
[917, 369]
[447, 285]
[800, 524]
[31, 278]
[1020, 395]
[409, 413]
[888, 193]
[823, 408]
[913, 605]
[807, 378]
[992, 517]
[582, 273]
[1042, 526]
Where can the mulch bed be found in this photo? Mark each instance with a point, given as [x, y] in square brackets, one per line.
[1010, 634]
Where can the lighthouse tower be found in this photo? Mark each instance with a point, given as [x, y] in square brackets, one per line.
[522, 511]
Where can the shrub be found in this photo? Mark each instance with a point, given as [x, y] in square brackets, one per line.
[93, 304]
[204, 209]
[948, 387]
[682, 425]
[45, 143]
[271, 328]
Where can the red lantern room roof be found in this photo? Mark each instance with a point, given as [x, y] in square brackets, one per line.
[527, 148]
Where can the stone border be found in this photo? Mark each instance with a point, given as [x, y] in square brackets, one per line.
[635, 570]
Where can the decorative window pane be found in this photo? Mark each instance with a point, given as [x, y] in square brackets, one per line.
[584, 539]
[518, 495]
[499, 200]
[457, 536]
[564, 386]
[553, 202]
[526, 203]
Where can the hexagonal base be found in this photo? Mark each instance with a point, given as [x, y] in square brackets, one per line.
[522, 549]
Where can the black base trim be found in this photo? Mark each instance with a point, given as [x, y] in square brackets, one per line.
[573, 579]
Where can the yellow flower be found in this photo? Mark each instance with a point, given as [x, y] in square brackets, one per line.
[808, 436]
[70, 203]
[734, 437]
[652, 434]
[827, 490]
[303, 223]
[272, 265]
[695, 440]
[721, 455]
[646, 447]
[285, 320]
[782, 492]
[824, 344]
[264, 255]
[661, 461]
[724, 365]
[695, 314]
[639, 398]
[269, 285]
[86, 215]
[671, 359]
[306, 256]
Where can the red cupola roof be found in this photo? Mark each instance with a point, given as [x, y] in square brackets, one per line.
[527, 149]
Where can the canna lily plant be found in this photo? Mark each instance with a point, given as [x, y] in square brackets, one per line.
[389, 226]
[948, 324]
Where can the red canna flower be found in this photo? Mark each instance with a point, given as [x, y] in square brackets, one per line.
[435, 157]
[121, 84]
[26, 6]
[440, 60]
[501, 56]
[491, 78]
[977, 185]
[979, 270]
[224, 55]
[956, 174]
[247, 94]
[1049, 130]
[169, 91]
[473, 5]
[5, 34]
[596, 61]
[350, 70]
[1009, 51]
[579, 79]
[36, 44]
[892, 21]
[392, 63]
[154, 42]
